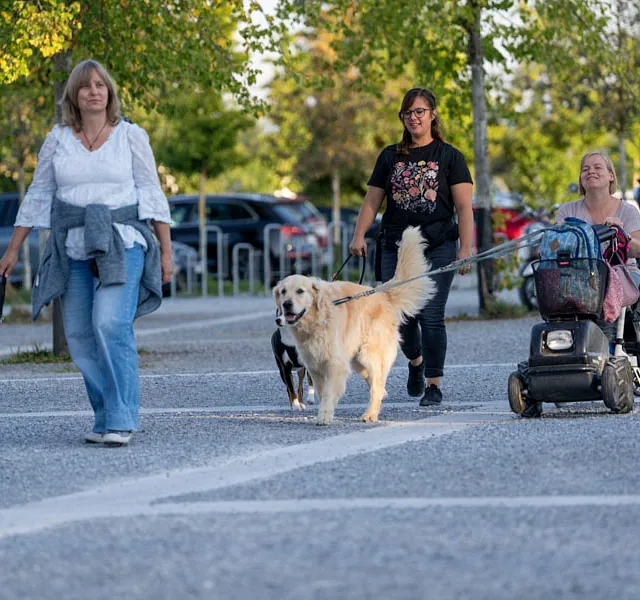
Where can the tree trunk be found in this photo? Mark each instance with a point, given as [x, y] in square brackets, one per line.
[622, 167]
[61, 65]
[202, 223]
[335, 205]
[484, 229]
[26, 249]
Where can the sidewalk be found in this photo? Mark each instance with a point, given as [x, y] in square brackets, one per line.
[190, 311]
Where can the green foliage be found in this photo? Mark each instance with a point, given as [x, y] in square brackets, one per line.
[152, 47]
[599, 53]
[499, 309]
[326, 123]
[538, 136]
[31, 32]
[37, 356]
[199, 134]
[25, 116]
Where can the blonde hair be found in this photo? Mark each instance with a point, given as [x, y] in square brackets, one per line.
[79, 77]
[613, 185]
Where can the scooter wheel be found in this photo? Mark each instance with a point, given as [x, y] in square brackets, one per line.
[617, 387]
[516, 393]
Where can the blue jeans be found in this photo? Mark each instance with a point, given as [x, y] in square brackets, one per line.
[98, 323]
[426, 333]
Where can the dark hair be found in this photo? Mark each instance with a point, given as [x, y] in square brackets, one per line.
[436, 124]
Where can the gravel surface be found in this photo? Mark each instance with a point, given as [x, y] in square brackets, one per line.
[532, 509]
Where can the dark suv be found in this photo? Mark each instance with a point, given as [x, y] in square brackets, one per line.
[9, 203]
[243, 218]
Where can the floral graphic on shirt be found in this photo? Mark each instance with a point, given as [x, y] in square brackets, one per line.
[414, 186]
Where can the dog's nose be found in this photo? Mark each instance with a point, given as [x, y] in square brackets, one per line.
[287, 305]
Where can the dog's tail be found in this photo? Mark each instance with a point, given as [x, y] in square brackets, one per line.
[409, 298]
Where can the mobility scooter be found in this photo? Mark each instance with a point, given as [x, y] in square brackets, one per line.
[570, 357]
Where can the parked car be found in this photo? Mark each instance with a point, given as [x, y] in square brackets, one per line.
[243, 218]
[9, 203]
[312, 216]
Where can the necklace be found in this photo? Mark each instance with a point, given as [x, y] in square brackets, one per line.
[95, 138]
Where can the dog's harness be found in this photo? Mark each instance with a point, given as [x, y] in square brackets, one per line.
[530, 239]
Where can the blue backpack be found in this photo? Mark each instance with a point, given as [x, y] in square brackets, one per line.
[572, 239]
[569, 277]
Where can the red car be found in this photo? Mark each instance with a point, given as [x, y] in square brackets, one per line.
[509, 216]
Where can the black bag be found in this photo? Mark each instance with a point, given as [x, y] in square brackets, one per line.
[3, 287]
[435, 233]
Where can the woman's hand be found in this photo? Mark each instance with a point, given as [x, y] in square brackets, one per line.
[462, 254]
[10, 258]
[8, 262]
[358, 246]
[614, 221]
[166, 262]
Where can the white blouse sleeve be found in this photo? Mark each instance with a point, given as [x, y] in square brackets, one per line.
[35, 210]
[152, 203]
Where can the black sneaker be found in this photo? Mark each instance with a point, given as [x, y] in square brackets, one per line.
[432, 396]
[415, 382]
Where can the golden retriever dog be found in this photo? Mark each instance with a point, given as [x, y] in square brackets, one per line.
[360, 335]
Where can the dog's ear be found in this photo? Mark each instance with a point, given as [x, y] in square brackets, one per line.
[275, 292]
[321, 298]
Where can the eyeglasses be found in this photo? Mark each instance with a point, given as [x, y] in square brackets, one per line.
[418, 112]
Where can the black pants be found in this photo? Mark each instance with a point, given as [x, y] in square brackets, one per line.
[426, 334]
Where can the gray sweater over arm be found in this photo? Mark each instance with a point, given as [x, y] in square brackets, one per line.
[102, 243]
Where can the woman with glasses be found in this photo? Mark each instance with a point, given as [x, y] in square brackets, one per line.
[426, 183]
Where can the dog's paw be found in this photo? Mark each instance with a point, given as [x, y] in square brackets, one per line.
[324, 418]
[311, 396]
[369, 417]
[297, 405]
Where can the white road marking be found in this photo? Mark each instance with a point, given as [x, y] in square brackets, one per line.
[206, 323]
[240, 408]
[136, 496]
[37, 379]
[335, 504]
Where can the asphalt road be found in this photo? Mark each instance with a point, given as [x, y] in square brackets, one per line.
[226, 493]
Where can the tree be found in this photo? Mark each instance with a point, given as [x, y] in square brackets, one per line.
[539, 129]
[380, 41]
[200, 136]
[599, 55]
[451, 43]
[331, 132]
[151, 46]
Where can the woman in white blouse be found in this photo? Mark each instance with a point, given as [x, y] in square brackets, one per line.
[97, 164]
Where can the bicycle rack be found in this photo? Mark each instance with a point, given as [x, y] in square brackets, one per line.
[267, 254]
[219, 259]
[235, 256]
[190, 268]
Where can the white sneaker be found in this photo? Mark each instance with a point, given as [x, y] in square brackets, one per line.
[117, 438]
[94, 438]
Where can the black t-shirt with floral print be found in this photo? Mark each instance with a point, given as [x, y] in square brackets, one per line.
[418, 184]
